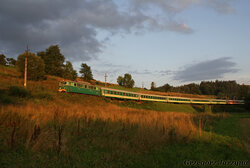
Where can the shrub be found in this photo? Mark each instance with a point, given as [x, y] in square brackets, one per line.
[18, 91]
[5, 99]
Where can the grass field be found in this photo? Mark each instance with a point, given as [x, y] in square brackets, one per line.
[40, 127]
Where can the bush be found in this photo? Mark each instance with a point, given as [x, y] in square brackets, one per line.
[5, 99]
[18, 91]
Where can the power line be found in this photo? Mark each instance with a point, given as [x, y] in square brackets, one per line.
[105, 76]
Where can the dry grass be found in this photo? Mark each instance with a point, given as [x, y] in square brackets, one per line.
[48, 127]
[27, 119]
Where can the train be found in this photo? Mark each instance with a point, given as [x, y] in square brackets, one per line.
[84, 88]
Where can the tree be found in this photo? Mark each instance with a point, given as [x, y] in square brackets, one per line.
[120, 81]
[86, 72]
[35, 66]
[2, 59]
[126, 81]
[152, 86]
[69, 72]
[247, 102]
[11, 61]
[53, 60]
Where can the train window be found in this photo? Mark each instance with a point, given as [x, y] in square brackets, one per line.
[85, 86]
[94, 88]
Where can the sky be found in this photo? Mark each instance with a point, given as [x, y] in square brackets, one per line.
[162, 41]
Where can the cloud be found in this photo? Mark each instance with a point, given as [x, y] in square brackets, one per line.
[74, 25]
[221, 6]
[206, 70]
[176, 6]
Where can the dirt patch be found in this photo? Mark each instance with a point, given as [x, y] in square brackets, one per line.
[245, 128]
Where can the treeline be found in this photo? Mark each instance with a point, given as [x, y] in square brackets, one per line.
[221, 89]
[48, 62]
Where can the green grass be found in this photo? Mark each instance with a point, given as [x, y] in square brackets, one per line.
[230, 126]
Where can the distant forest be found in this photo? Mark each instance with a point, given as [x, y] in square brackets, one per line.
[221, 89]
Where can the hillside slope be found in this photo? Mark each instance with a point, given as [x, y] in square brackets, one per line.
[40, 127]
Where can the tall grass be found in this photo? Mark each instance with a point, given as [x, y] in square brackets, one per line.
[50, 127]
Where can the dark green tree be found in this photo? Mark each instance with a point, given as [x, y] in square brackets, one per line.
[152, 86]
[126, 81]
[164, 88]
[69, 72]
[11, 61]
[247, 102]
[86, 73]
[244, 91]
[35, 66]
[120, 81]
[2, 59]
[53, 60]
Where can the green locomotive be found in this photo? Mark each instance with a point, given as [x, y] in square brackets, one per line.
[76, 87]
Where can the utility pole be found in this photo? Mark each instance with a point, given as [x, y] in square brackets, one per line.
[25, 67]
[105, 76]
[142, 85]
